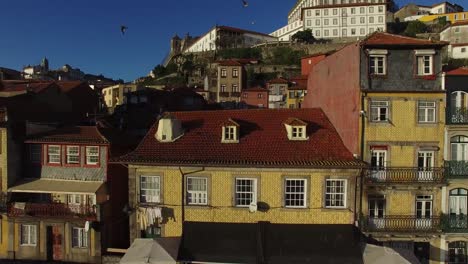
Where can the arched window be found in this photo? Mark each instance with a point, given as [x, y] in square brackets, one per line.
[459, 148]
[458, 208]
[457, 252]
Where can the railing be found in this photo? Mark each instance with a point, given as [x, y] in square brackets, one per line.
[398, 223]
[52, 210]
[404, 175]
[455, 223]
[456, 169]
[458, 115]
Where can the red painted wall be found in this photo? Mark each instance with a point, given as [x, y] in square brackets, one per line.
[308, 63]
[251, 99]
[333, 85]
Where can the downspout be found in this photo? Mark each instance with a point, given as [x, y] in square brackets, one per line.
[363, 129]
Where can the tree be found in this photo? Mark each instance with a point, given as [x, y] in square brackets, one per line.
[304, 36]
[415, 27]
[159, 71]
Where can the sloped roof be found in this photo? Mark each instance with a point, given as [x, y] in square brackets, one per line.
[263, 141]
[278, 80]
[230, 63]
[458, 72]
[76, 134]
[387, 39]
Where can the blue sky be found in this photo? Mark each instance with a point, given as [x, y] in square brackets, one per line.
[86, 33]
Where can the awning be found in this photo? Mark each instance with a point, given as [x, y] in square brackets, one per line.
[152, 251]
[56, 186]
[270, 243]
[376, 254]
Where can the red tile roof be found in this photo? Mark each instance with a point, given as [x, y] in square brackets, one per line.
[387, 39]
[230, 63]
[255, 89]
[459, 44]
[458, 72]
[278, 80]
[461, 23]
[292, 121]
[20, 86]
[78, 134]
[263, 141]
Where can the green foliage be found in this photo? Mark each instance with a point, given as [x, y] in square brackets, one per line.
[442, 21]
[304, 36]
[259, 79]
[161, 71]
[397, 27]
[415, 27]
[240, 53]
[286, 56]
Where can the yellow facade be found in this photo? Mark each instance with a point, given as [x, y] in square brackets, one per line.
[460, 16]
[294, 98]
[4, 186]
[270, 185]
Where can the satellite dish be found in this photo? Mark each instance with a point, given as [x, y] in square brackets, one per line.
[253, 207]
[86, 226]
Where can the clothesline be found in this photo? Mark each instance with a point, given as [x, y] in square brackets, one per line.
[148, 216]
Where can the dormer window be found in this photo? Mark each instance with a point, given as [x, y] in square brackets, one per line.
[230, 132]
[296, 129]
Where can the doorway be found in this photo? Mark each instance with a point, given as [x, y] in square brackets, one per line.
[54, 243]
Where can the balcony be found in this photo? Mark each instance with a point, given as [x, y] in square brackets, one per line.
[456, 169]
[459, 115]
[399, 223]
[52, 210]
[395, 175]
[455, 223]
[276, 98]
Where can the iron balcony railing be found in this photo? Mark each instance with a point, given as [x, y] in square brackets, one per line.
[456, 169]
[52, 210]
[404, 175]
[401, 223]
[455, 223]
[458, 115]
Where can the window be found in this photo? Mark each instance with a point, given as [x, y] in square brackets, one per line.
[377, 65]
[335, 11]
[362, 20]
[371, 20]
[35, 153]
[295, 193]
[426, 112]
[223, 88]
[317, 22]
[28, 235]
[457, 252]
[235, 73]
[223, 72]
[74, 199]
[235, 88]
[317, 33]
[344, 21]
[353, 20]
[229, 133]
[353, 10]
[335, 21]
[335, 32]
[246, 192]
[298, 132]
[371, 9]
[362, 10]
[380, 19]
[79, 238]
[379, 111]
[259, 96]
[197, 193]
[325, 33]
[309, 22]
[54, 154]
[463, 50]
[344, 32]
[424, 65]
[92, 155]
[362, 31]
[380, 9]
[150, 189]
[353, 31]
[325, 22]
[73, 155]
[317, 12]
[325, 12]
[308, 13]
[335, 193]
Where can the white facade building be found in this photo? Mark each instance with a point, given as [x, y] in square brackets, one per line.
[344, 21]
[228, 37]
[445, 7]
[285, 33]
[457, 35]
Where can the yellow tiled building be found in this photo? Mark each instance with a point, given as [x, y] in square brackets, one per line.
[251, 167]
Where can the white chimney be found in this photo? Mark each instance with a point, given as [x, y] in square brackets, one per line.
[169, 129]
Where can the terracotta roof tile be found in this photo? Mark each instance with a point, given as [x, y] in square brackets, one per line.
[458, 72]
[292, 121]
[78, 134]
[387, 39]
[459, 44]
[263, 141]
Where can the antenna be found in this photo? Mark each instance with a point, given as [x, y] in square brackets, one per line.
[253, 207]
[86, 226]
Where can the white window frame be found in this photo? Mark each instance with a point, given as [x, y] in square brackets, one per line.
[235, 73]
[334, 194]
[229, 133]
[374, 68]
[239, 192]
[52, 158]
[197, 197]
[73, 154]
[223, 72]
[378, 105]
[223, 88]
[79, 237]
[89, 155]
[303, 193]
[425, 55]
[425, 107]
[149, 194]
[30, 239]
[298, 132]
[74, 199]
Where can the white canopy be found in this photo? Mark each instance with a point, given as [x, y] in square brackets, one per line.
[152, 251]
[384, 255]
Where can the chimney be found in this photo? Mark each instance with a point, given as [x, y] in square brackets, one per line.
[169, 129]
